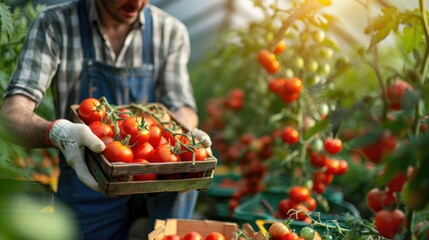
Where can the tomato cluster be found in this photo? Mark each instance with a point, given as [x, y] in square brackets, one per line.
[195, 235]
[287, 88]
[299, 200]
[141, 134]
[281, 231]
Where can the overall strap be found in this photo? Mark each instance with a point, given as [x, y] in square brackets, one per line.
[148, 56]
[85, 30]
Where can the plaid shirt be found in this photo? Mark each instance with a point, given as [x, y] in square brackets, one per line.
[52, 56]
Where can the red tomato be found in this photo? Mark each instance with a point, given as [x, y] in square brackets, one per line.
[163, 153]
[319, 187]
[193, 235]
[290, 236]
[144, 151]
[118, 152]
[278, 230]
[310, 203]
[397, 182]
[343, 167]
[136, 128]
[332, 166]
[265, 58]
[215, 236]
[107, 140]
[273, 67]
[284, 206]
[100, 129]
[172, 237]
[332, 145]
[377, 199]
[280, 47]
[420, 232]
[288, 98]
[299, 193]
[200, 154]
[290, 135]
[276, 85]
[389, 223]
[317, 159]
[395, 93]
[146, 176]
[90, 110]
[374, 152]
[292, 86]
[299, 215]
[155, 135]
[323, 177]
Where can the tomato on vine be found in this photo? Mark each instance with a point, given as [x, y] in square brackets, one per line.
[90, 110]
[332, 145]
[116, 151]
[389, 222]
[136, 128]
[100, 129]
[290, 135]
[164, 153]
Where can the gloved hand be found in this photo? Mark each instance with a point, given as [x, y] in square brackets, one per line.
[203, 137]
[71, 139]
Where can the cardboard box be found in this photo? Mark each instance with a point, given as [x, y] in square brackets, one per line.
[182, 226]
[114, 178]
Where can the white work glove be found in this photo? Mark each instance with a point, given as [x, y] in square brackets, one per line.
[71, 139]
[204, 138]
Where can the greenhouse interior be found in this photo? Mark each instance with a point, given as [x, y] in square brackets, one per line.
[237, 120]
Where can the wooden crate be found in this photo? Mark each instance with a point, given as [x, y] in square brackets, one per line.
[113, 178]
[183, 226]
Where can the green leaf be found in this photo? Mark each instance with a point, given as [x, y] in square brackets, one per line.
[412, 36]
[384, 24]
[6, 20]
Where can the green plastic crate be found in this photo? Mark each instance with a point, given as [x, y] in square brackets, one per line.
[252, 209]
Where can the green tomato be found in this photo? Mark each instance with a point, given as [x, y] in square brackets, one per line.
[318, 36]
[307, 233]
[311, 65]
[312, 80]
[289, 73]
[327, 237]
[324, 69]
[298, 63]
[317, 145]
[326, 53]
[304, 36]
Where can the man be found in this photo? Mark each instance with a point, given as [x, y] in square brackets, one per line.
[125, 50]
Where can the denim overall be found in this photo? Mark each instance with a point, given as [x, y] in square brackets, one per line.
[102, 217]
